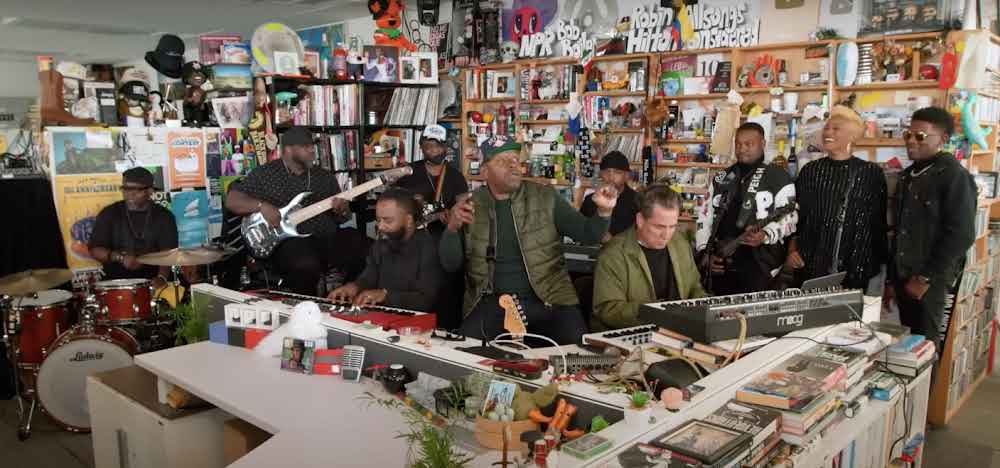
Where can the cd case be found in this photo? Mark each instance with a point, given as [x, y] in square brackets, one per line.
[298, 355]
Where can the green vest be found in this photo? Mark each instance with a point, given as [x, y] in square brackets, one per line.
[533, 208]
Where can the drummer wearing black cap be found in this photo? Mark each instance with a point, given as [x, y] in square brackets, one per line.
[615, 172]
[301, 261]
[132, 227]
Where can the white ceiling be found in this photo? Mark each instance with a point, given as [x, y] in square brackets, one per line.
[117, 30]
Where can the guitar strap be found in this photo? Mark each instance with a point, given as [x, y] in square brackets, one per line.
[841, 218]
[440, 184]
[750, 197]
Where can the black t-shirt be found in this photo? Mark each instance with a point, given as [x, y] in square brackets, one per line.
[425, 185]
[275, 184]
[412, 275]
[135, 233]
[622, 217]
[662, 270]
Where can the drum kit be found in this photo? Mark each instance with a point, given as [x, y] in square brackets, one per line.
[114, 320]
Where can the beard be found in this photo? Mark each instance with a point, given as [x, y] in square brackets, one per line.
[395, 239]
[436, 160]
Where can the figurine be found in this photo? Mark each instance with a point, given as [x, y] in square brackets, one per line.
[910, 13]
[892, 15]
[355, 60]
[928, 14]
[509, 51]
[386, 14]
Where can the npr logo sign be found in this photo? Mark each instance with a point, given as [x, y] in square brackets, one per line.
[791, 320]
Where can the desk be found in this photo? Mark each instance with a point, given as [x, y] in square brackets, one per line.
[318, 420]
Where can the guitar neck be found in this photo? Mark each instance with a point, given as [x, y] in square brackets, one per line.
[325, 204]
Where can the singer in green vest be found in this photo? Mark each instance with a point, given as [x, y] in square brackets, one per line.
[508, 235]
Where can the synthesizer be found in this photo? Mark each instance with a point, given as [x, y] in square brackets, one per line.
[712, 319]
[389, 318]
[625, 339]
[576, 362]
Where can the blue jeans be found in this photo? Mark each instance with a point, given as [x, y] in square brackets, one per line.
[562, 323]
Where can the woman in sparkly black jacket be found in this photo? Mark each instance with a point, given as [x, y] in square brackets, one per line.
[820, 189]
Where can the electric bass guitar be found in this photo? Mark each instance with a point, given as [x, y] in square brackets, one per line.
[725, 248]
[261, 238]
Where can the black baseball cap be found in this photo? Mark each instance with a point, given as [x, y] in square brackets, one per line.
[139, 176]
[615, 160]
[297, 136]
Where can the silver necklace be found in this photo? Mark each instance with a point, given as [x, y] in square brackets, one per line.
[308, 174]
[921, 172]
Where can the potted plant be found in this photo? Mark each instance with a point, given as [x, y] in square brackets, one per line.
[431, 444]
[638, 411]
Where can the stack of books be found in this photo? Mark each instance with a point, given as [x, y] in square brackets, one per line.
[412, 106]
[763, 424]
[884, 386]
[337, 152]
[709, 356]
[326, 106]
[853, 362]
[802, 389]
[909, 357]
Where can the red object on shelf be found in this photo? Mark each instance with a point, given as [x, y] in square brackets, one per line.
[252, 336]
[390, 321]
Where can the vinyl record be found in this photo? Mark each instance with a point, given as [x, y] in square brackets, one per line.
[274, 37]
[764, 75]
[847, 64]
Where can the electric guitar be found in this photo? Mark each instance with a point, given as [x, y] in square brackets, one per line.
[261, 238]
[514, 319]
[432, 212]
[725, 249]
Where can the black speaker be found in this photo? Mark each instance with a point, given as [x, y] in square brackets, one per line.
[428, 11]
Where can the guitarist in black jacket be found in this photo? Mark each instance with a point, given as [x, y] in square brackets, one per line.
[301, 261]
[743, 226]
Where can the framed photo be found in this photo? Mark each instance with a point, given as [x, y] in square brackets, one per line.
[381, 64]
[408, 67]
[703, 441]
[427, 67]
[986, 184]
[504, 85]
[499, 397]
[311, 59]
[286, 63]
[298, 355]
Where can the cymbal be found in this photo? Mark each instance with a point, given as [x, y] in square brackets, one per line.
[182, 257]
[32, 281]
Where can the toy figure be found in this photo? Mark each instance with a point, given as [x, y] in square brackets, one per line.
[355, 60]
[928, 14]
[876, 22]
[910, 13]
[508, 52]
[892, 15]
[386, 14]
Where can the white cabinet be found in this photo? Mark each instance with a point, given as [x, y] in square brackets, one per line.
[132, 430]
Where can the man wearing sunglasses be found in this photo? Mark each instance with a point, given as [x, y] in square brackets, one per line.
[132, 227]
[936, 209]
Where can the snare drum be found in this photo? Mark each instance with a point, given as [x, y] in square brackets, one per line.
[62, 378]
[36, 322]
[124, 301]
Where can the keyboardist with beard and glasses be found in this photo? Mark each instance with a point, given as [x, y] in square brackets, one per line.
[403, 269]
[647, 263]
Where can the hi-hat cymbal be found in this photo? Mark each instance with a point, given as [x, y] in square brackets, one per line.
[182, 257]
[32, 281]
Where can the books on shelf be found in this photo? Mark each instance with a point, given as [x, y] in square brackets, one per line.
[629, 144]
[412, 106]
[853, 361]
[337, 152]
[884, 386]
[324, 105]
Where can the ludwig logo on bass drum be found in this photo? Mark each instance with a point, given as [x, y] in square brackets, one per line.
[88, 356]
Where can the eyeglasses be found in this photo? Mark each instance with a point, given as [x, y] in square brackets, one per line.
[133, 188]
[919, 136]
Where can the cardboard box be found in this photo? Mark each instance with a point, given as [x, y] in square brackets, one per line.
[239, 438]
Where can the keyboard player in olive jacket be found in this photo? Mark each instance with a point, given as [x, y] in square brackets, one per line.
[644, 264]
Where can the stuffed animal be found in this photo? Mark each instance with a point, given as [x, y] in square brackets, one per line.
[386, 15]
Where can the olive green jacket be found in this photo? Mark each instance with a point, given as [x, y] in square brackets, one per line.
[622, 281]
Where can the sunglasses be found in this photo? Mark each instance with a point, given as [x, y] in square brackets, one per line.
[133, 188]
[919, 136]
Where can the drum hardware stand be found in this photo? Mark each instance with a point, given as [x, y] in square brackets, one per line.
[9, 331]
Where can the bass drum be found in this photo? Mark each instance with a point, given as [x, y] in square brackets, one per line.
[77, 353]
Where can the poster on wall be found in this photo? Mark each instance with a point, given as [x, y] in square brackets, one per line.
[71, 155]
[190, 208]
[312, 38]
[186, 152]
[79, 199]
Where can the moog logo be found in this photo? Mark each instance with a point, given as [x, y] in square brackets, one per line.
[791, 320]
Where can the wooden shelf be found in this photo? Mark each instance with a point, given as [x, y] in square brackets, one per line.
[899, 37]
[620, 130]
[542, 122]
[547, 101]
[691, 164]
[450, 119]
[787, 88]
[961, 401]
[689, 97]
[880, 142]
[906, 84]
[618, 58]
[716, 50]
[687, 141]
[483, 101]
[784, 45]
[616, 93]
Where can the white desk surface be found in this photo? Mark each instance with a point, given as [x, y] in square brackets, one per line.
[318, 421]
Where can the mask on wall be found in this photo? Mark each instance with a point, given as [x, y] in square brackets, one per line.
[527, 17]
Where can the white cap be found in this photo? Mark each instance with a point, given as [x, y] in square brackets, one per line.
[435, 132]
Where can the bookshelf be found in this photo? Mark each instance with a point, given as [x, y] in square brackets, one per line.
[967, 355]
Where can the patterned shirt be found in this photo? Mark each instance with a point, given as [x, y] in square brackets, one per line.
[275, 184]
